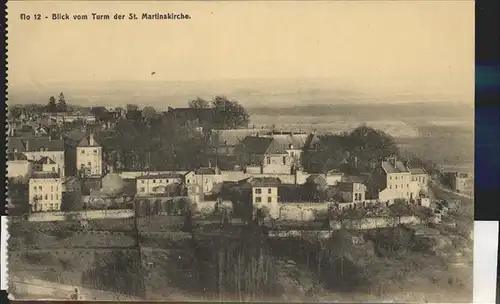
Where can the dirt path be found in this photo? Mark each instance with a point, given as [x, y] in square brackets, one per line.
[438, 185]
[36, 288]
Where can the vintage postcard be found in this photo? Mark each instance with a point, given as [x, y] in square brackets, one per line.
[241, 151]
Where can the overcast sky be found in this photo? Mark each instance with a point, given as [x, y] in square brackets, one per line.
[421, 47]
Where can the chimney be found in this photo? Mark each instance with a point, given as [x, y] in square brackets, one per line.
[91, 139]
[27, 145]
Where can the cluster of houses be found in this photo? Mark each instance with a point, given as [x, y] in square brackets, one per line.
[267, 169]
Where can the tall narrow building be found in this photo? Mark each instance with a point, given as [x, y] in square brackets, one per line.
[89, 157]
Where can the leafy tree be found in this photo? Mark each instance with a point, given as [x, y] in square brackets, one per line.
[61, 104]
[14, 112]
[199, 103]
[149, 113]
[132, 108]
[316, 188]
[229, 114]
[52, 106]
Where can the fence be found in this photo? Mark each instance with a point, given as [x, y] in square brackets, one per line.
[80, 215]
[374, 222]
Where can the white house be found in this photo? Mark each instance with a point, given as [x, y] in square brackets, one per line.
[397, 182]
[206, 178]
[45, 191]
[89, 156]
[265, 194]
[420, 176]
[36, 148]
[351, 194]
[18, 166]
[45, 164]
[157, 184]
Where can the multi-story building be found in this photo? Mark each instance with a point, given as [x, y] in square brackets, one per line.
[420, 176]
[206, 178]
[265, 194]
[45, 191]
[393, 180]
[37, 148]
[462, 182]
[89, 156]
[351, 192]
[45, 164]
[275, 153]
[158, 184]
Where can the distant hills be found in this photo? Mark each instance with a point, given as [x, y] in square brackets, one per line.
[292, 96]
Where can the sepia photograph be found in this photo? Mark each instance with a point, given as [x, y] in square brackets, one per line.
[280, 151]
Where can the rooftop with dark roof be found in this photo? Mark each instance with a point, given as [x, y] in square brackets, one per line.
[255, 144]
[394, 167]
[45, 175]
[35, 144]
[206, 171]
[45, 160]
[265, 181]
[417, 171]
[163, 175]
[16, 156]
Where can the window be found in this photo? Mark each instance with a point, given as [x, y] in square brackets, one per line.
[269, 199]
[89, 164]
[57, 188]
[52, 196]
[396, 186]
[396, 177]
[46, 196]
[390, 186]
[284, 160]
[57, 196]
[154, 181]
[407, 185]
[268, 160]
[142, 181]
[53, 169]
[258, 191]
[390, 177]
[83, 151]
[168, 181]
[258, 199]
[56, 205]
[95, 151]
[51, 188]
[51, 206]
[141, 189]
[269, 191]
[34, 188]
[40, 188]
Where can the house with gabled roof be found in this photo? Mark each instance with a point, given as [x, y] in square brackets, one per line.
[89, 156]
[45, 164]
[392, 179]
[159, 184]
[274, 153]
[35, 148]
